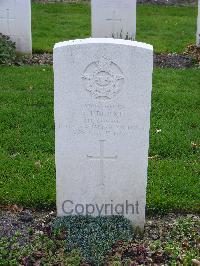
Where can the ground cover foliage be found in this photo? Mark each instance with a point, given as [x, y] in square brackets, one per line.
[7, 51]
[107, 241]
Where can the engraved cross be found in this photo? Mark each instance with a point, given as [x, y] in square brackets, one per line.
[113, 18]
[101, 158]
[7, 17]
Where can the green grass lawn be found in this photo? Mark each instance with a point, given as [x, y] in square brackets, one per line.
[27, 140]
[168, 29]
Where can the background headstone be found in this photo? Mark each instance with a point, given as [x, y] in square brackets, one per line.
[15, 21]
[114, 18]
[102, 120]
[198, 25]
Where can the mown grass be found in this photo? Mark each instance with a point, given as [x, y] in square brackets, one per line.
[168, 29]
[27, 142]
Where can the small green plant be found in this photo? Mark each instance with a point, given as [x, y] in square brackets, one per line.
[94, 237]
[7, 50]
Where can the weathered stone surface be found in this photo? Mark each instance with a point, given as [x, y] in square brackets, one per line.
[114, 18]
[102, 119]
[15, 21]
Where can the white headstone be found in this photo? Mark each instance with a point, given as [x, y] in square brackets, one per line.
[102, 119]
[198, 25]
[15, 21]
[114, 18]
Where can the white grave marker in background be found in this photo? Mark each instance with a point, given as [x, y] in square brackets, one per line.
[114, 18]
[102, 120]
[15, 21]
[198, 25]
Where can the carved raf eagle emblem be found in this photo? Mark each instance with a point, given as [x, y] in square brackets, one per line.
[103, 79]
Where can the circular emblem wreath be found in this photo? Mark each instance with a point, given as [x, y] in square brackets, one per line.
[103, 79]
